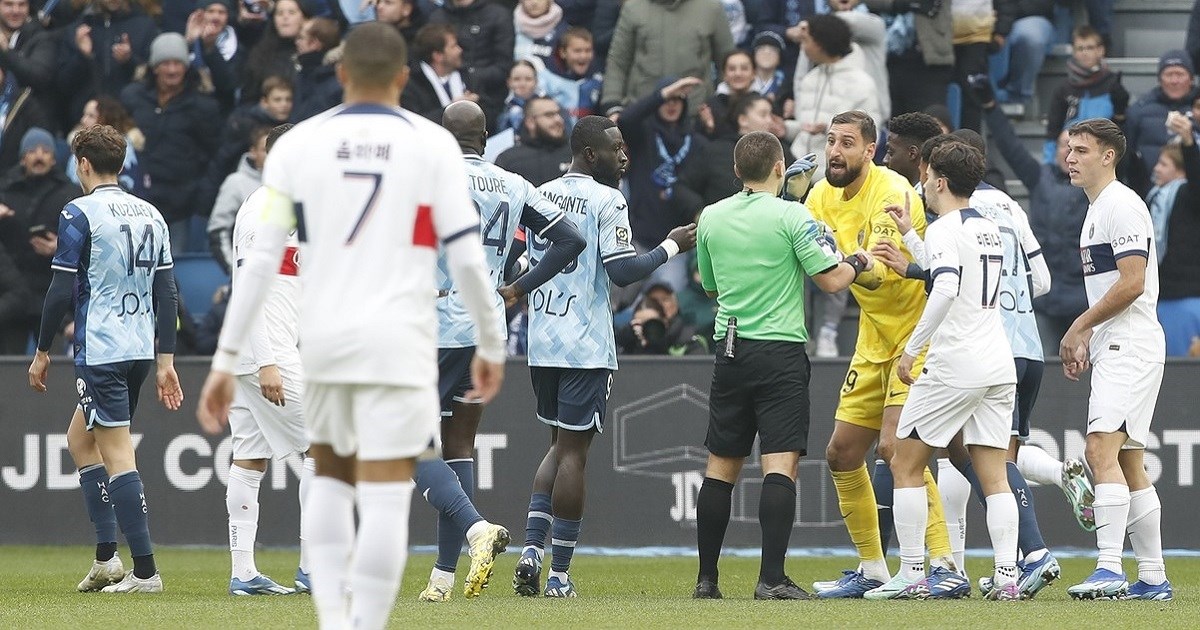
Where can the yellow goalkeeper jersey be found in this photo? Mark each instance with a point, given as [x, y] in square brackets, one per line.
[889, 313]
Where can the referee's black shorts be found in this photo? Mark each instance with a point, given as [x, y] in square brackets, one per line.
[762, 391]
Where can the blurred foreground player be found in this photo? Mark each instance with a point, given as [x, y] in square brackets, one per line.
[371, 190]
[114, 267]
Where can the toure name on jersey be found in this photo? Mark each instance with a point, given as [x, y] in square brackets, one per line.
[364, 151]
[568, 203]
[129, 210]
[487, 184]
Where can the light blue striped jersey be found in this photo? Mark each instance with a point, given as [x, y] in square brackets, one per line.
[570, 320]
[1016, 284]
[113, 242]
[504, 200]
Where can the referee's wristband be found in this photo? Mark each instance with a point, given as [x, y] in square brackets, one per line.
[855, 263]
[224, 361]
[671, 246]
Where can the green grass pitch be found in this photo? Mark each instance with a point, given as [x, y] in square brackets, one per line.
[37, 590]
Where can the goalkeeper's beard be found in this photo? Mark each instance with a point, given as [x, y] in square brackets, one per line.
[844, 180]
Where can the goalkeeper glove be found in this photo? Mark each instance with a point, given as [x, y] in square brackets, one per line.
[798, 177]
[824, 240]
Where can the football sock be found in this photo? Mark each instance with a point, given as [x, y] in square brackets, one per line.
[1112, 516]
[911, 510]
[330, 527]
[1029, 537]
[973, 479]
[1002, 528]
[306, 476]
[440, 487]
[564, 536]
[956, 493]
[538, 523]
[449, 534]
[1145, 535]
[776, 517]
[937, 537]
[380, 551]
[713, 507]
[241, 501]
[93, 481]
[129, 503]
[882, 483]
[445, 575]
[1039, 467]
[856, 500]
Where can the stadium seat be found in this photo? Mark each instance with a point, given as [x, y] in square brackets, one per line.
[198, 277]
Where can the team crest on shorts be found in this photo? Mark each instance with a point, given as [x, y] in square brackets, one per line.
[80, 386]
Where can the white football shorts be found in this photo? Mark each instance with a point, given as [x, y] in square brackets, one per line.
[1124, 393]
[374, 422]
[936, 412]
[263, 430]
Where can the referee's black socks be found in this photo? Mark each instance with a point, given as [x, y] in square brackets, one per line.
[712, 519]
[776, 515]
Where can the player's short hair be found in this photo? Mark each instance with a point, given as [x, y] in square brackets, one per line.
[866, 124]
[275, 82]
[831, 33]
[275, 132]
[373, 54]
[326, 31]
[961, 164]
[1106, 133]
[589, 132]
[972, 137]
[929, 145]
[1086, 31]
[102, 146]
[572, 33]
[432, 38]
[916, 127]
[755, 155]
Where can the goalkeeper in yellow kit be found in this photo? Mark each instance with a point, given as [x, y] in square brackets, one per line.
[851, 201]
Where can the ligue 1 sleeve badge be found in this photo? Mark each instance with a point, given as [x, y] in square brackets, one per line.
[1091, 230]
[862, 237]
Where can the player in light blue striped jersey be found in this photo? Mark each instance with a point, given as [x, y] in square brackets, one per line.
[504, 200]
[572, 353]
[113, 265]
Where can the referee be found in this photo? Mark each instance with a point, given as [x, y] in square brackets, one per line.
[753, 250]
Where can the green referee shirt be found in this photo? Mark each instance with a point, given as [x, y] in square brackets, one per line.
[754, 250]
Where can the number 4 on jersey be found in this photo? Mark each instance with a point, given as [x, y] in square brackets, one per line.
[144, 257]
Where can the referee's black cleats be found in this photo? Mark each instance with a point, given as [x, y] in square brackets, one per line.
[786, 589]
[706, 589]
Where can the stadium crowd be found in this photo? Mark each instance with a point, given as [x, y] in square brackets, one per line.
[196, 84]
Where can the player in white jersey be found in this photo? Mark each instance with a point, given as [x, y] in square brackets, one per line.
[113, 271]
[1120, 338]
[968, 381]
[1024, 278]
[371, 190]
[504, 200]
[267, 418]
[572, 352]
